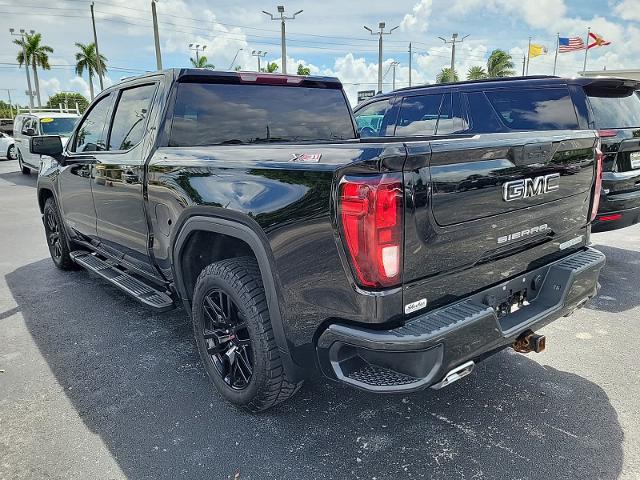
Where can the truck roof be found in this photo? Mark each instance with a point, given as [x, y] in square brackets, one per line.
[203, 74]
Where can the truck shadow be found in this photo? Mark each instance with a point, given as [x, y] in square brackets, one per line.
[135, 380]
[619, 291]
[18, 178]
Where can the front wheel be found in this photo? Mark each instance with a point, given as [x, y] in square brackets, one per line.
[235, 338]
[25, 170]
[56, 237]
[11, 153]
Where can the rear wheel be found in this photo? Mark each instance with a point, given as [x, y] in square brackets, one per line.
[11, 153]
[56, 237]
[235, 338]
[25, 170]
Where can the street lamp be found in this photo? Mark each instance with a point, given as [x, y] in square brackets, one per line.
[234, 58]
[29, 92]
[197, 48]
[260, 54]
[381, 26]
[283, 41]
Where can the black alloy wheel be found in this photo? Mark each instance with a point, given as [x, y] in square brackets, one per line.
[227, 339]
[52, 228]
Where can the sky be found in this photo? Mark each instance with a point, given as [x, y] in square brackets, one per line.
[328, 37]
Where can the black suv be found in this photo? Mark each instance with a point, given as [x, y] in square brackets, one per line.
[609, 105]
[390, 264]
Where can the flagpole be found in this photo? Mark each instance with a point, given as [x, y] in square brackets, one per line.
[555, 61]
[586, 50]
[528, 56]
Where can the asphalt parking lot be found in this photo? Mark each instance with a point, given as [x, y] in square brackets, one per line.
[93, 385]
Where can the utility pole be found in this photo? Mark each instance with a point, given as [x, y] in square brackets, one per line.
[156, 35]
[410, 60]
[259, 54]
[283, 40]
[393, 82]
[380, 34]
[29, 92]
[95, 41]
[234, 58]
[197, 48]
[453, 41]
[10, 102]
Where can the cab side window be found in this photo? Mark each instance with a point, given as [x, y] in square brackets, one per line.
[130, 118]
[370, 119]
[452, 118]
[418, 115]
[92, 132]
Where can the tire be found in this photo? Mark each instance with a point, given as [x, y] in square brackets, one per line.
[56, 237]
[239, 325]
[11, 152]
[25, 170]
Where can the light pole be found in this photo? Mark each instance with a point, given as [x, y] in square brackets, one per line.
[453, 41]
[235, 57]
[283, 41]
[10, 102]
[410, 61]
[156, 34]
[394, 65]
[29, 92]
[381, 26]
[95, 41]
[197, 48]
[259, 54]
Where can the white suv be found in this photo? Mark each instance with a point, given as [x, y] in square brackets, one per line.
[40, 122]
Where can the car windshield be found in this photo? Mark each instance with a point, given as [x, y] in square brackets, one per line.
[616, 111]
[58, 126]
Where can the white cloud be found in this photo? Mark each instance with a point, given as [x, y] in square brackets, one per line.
[80, 85]
[628, 10]
[49, 87]
[418, 20]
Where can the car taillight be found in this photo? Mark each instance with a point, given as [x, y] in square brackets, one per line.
[598, 185]
[370, 213]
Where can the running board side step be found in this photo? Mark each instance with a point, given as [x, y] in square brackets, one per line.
[113, 273]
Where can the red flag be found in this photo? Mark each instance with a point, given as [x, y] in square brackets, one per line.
[598, 41]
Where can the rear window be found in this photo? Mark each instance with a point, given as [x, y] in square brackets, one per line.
[616, 111]
[218, 114]
[58, 126]
[535, 108]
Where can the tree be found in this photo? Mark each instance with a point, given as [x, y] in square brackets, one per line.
[476, 73]
[68, 99]
[201, 62]
[500, 64]
[272, 67]
[445, 76]
[302, 70]
[237, 68]
[87, 59]
[37, 56]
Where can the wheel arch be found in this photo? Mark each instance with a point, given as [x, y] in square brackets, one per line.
[246, 230]
[44, 193]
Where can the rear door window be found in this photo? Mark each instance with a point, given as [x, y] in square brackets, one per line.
[452, 119]
[611, 110]
[534, 108]
[370, 119]
[130, 118]
[228, 114]
[418, 115]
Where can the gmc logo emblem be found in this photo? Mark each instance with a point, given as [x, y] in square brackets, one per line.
[530, 187]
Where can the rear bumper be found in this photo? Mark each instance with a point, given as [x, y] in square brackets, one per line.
[618, 210]
[615, 219]
[421, 352]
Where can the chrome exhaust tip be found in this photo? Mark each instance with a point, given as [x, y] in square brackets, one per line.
[455, 375]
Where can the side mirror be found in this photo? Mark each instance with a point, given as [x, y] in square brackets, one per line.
[50, 145]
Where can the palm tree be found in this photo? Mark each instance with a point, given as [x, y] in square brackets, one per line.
[37, 56]
[87, 59]
[476, 73]
[500, 64]
[445, 76]
[201, 62]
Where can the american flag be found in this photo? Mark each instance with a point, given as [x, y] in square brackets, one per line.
[570, 44]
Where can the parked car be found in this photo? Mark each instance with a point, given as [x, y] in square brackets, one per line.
[6, 125]
[249, 199]
[40, 122]
[7, 147]
[609, 105]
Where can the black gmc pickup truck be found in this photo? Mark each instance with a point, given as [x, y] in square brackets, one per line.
[391, 264]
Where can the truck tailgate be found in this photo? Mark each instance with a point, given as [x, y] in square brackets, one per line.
[484, 209]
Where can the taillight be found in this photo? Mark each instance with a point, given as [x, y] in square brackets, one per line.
[607, 133]
[598, 185]
[370, 213]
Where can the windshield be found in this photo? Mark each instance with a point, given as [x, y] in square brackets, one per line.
[58, 126]
[228, 114]
[616, 111]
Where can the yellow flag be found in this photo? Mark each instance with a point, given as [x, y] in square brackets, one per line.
[536, 50]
